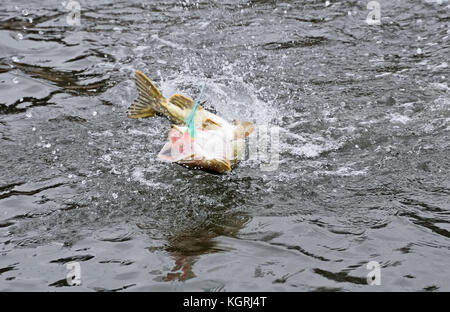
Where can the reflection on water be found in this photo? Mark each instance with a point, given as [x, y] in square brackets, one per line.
[187, 247]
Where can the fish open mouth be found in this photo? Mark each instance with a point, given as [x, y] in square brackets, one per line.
[207, 151]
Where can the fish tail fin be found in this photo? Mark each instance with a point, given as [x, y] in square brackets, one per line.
[149, 99]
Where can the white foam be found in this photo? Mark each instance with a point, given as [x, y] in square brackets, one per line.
[168, 43]
[439, 86]
[138, 132]
[309, 150]
[138, 176]
[344, 171]
[237, 101]
[397, 118]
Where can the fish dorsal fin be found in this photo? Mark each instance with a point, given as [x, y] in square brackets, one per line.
[182, 101]
[146, 87]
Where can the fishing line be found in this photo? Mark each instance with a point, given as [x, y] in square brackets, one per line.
[190, 121]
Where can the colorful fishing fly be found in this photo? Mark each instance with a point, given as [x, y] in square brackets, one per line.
[190, 121]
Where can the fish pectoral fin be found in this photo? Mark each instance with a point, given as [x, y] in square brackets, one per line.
[209, 124]
[243, 130]
[148, 99]
[182, 101]
[249, 127]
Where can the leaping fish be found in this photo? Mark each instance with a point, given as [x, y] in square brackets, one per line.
[198, 139]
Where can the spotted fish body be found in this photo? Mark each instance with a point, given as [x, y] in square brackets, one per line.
[217, 145]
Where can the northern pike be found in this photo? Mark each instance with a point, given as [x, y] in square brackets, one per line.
[198, 139]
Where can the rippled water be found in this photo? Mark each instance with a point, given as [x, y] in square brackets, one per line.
[364, 113]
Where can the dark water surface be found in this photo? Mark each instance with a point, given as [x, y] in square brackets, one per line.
[364, 113]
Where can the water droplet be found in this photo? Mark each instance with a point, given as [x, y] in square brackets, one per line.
[94, 113]
[33, 129]
[19, 36]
